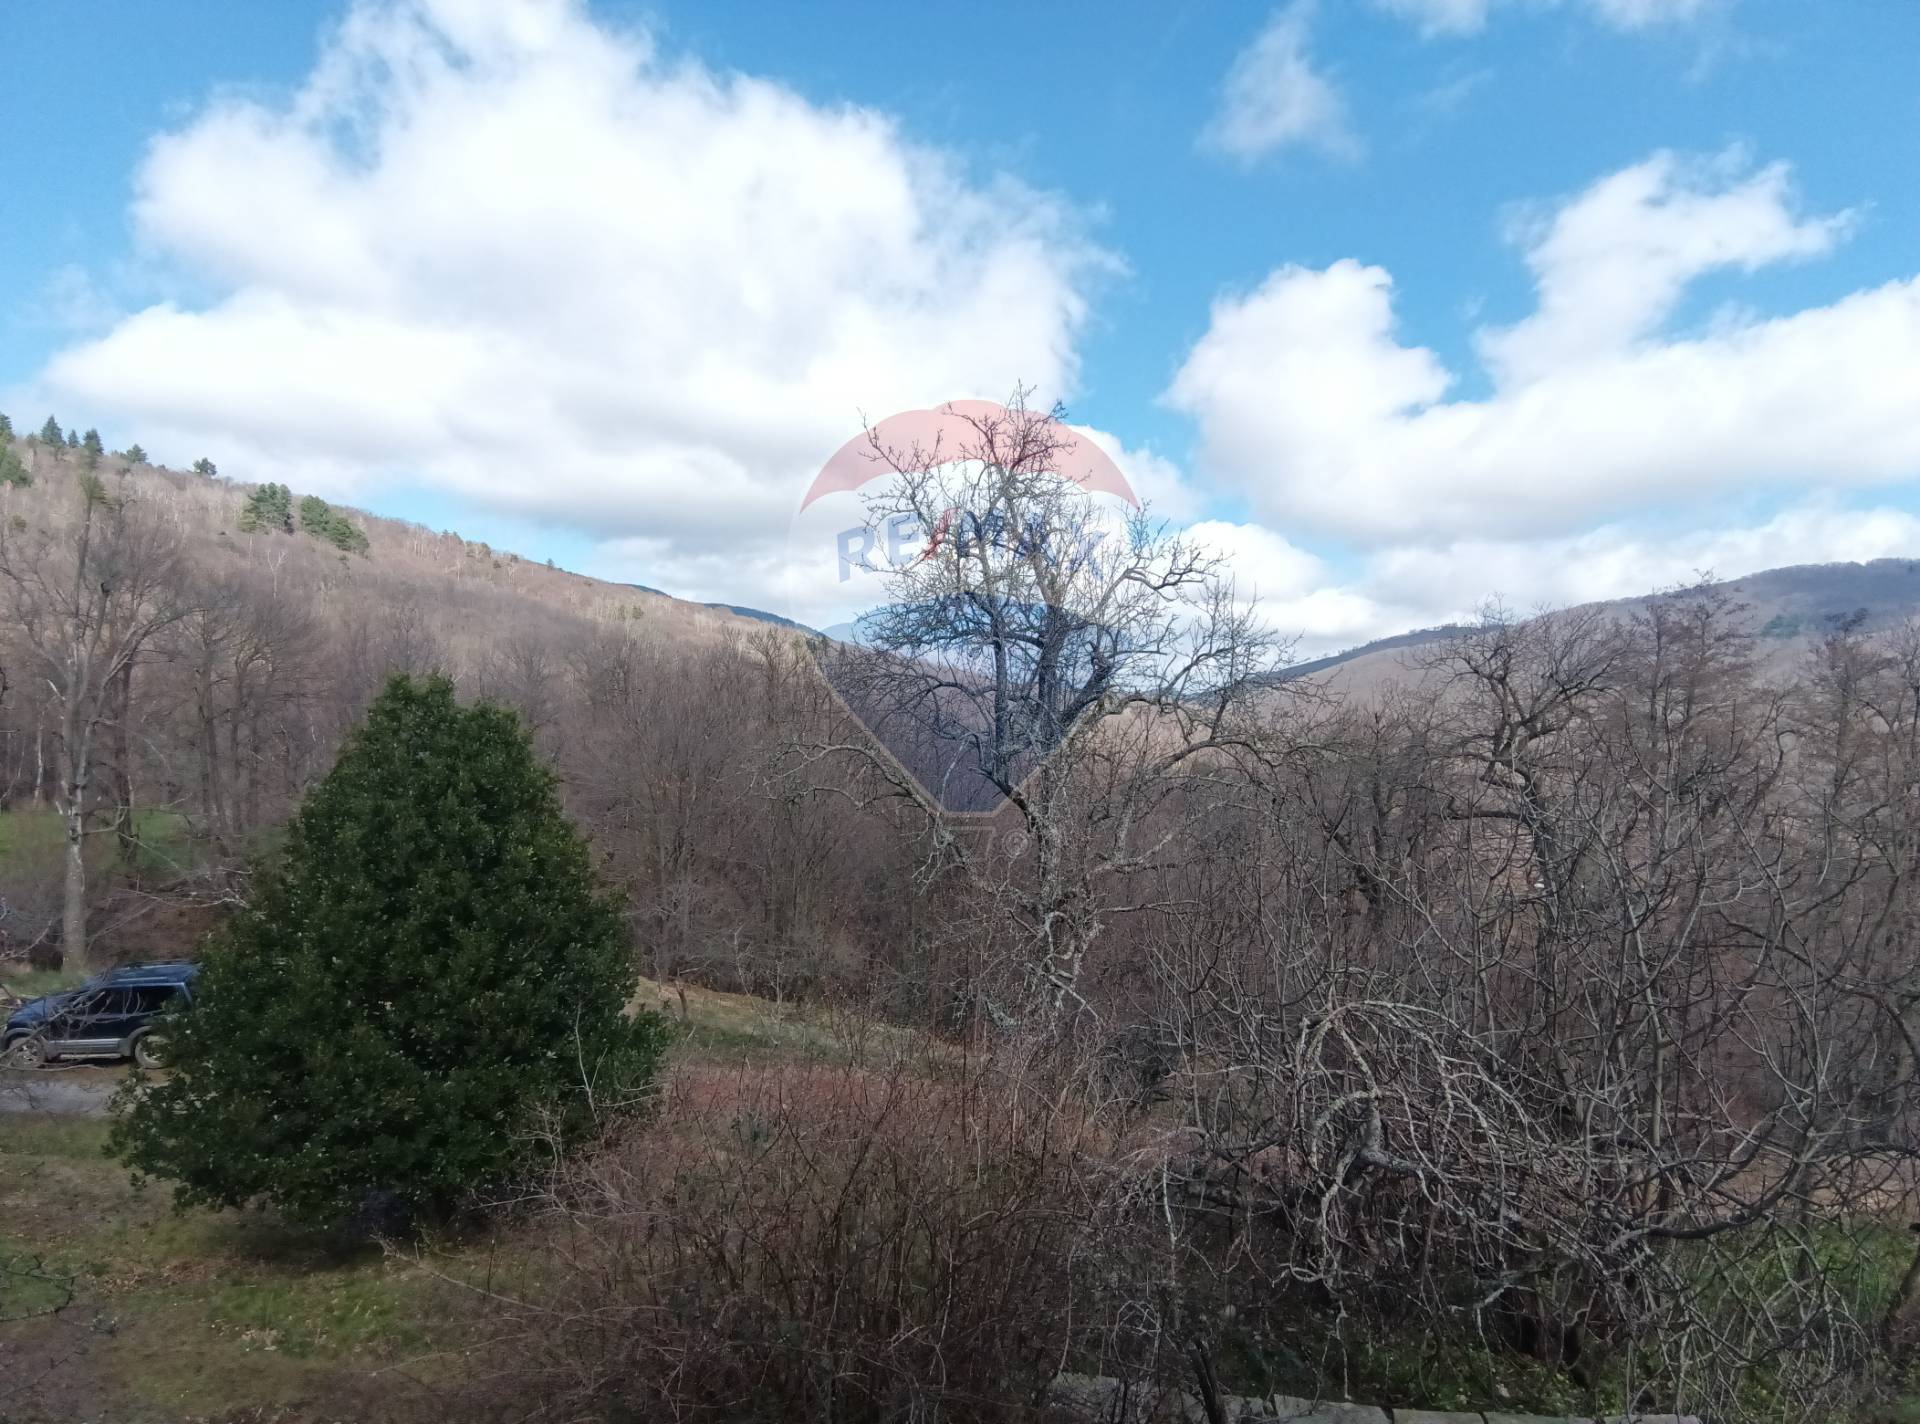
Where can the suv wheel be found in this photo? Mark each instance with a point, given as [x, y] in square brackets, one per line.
[28, 1051]
[150, 1051]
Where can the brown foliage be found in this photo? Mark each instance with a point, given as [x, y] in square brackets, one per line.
[810, 1242]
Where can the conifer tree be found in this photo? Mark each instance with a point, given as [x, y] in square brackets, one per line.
[428, 987]
[269, 507]
[323, 521]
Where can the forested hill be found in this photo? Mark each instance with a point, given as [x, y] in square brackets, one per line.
[1788, 609]
[257, 622]
[438, 581]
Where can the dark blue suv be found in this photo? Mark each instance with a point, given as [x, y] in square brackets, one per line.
[113, 1015]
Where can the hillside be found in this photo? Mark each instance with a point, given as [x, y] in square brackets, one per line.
[1788, 608]
[289, 617]
[462, 593]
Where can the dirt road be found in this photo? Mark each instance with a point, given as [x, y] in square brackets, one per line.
[60, 1091]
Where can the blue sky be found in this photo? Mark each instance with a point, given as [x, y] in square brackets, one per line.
[1268, 251]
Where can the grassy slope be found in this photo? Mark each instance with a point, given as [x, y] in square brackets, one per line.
[179, 1317]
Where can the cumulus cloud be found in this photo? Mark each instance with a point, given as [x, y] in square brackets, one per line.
[1610, 266]
[1274, 96]
[502, 249]
[1404, 586]
[1617, 561]
[1161, 485]
[777, 570]
[1308, 402]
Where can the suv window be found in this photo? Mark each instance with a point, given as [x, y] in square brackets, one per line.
[151, 998]
[92, 1002]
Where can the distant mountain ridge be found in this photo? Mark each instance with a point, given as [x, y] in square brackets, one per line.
[1391, 643]
[1788, 608]
[759, 615]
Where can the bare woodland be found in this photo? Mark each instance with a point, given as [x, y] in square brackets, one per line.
[1558, 1003]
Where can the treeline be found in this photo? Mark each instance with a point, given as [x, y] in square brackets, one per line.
[89, 447]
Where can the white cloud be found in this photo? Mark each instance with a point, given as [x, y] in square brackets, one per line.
[1308, 402]
[1161, 485]
[1263, 564]
[1610, 266]
[1465, 17]
[1273, 96]
[1644, 14]
[1440, 17]
[1421, 586]
[500, 248]
[1620, 562]
[70, 301]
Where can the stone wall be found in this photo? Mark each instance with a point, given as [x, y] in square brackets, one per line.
[1101, 1400]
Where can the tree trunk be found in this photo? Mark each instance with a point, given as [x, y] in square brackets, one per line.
[73, 917]
[121, 699]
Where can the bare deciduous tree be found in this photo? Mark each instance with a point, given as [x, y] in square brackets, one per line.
[1040, 655]
[88, 600]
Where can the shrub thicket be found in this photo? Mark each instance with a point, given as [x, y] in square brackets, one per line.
[812, 1242]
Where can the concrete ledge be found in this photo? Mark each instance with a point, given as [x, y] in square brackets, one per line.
[1326, 1411]
[1100, 1399]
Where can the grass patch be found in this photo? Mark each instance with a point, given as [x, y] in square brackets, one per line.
[179, 1315]
[31, 1136]
[163, 839]
[30, 1286]
[740, 1029]
[32, 983]
[352, 1310]
[182, 1314]
[27, 832]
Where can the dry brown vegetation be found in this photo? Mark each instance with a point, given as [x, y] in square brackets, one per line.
[1549, 1023]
